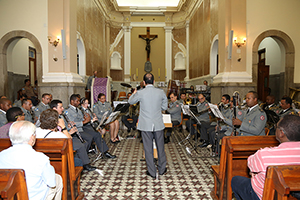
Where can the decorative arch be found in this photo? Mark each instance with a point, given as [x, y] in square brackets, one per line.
[213, 56]
[115, 61]
[289, 56]
[4, 43]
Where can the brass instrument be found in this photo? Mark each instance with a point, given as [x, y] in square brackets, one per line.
[236, 96]
[188, 101]
[293, 94]
[69, 122]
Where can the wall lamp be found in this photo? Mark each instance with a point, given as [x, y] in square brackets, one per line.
[239, 44]
[55, 42]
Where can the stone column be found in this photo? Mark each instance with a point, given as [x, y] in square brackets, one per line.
[127, 52]
[168, 50]
[107, 38]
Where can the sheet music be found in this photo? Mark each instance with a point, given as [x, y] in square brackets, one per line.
[167, 118]
[216, 111]
[112, 117]
[118, 102]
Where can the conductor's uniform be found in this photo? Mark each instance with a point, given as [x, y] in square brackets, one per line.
[152, 102]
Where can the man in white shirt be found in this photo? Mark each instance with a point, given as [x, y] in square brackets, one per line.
[41, 180]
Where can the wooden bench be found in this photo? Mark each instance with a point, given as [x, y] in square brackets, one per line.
[280, 181]
[60, 153]
[13, 184]
[237, 151]
[219, 173]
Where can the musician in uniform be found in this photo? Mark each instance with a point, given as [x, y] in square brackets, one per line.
[18, 103]
[131, 114]
[182, 98]
[78, 146]
[5, 104]
[75, 115]
[99, 109]
[203, 117]
[270, 103]
[26, 108]
[286, 107]
[175, 111]
[254, 120]
[43, 105]
[152, 102]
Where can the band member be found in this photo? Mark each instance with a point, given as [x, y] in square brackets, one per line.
[26, 108]
[131, 114]
[43, 105]
[78, 146]
[270, 103]
[182, 98]
[286, 107]
[99, 109]
[87, 133]
[152, 102]
[254, 120]
[175, 111]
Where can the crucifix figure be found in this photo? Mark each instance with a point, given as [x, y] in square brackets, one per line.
[148, 38]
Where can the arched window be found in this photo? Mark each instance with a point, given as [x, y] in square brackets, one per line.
[179, 61]
[115, 61]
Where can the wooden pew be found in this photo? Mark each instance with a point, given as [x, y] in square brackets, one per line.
[56, 150]
[219, 173]
[74, 174]
[234, 161]
[280, 181]
[238, 149]
[13, 184]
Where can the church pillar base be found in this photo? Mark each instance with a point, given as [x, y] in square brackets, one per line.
[218, 89]
[62, 91]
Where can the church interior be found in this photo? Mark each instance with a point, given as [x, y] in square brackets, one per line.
[234, 45]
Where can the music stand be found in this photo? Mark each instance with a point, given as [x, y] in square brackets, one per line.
[122, 107]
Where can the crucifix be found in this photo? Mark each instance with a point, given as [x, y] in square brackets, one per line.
[148, 38]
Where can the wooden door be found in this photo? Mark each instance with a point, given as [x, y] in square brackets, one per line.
[32, 65]
[263, 76]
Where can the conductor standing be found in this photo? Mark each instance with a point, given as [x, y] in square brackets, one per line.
[152, 102]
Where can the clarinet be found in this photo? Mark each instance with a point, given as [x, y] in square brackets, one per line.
[77, 133]
[94, 124]
[235, 101]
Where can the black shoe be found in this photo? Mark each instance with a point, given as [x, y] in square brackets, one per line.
[134, 128]
[204, 144]
[167, 140]
[147, 173]
[89, 168]
[164, 172]
[141, 141]
[108, 155]
[128, 130]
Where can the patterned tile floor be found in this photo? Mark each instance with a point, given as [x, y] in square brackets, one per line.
[188, 176]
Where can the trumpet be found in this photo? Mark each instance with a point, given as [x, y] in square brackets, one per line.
[69, 122]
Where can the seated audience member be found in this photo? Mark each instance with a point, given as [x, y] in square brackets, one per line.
[254, 119]
[18, 103]
[78, 146]
[86, 131]
[29, 91]
[131, 114]
[5, 104]
[13, 114]
[43, 105]
[287, 153]
[99, 109]
[26, 108]
[286, 107]
[175, 111]
[41, 180]
[49, 123]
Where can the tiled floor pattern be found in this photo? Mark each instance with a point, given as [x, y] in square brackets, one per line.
[189, 175]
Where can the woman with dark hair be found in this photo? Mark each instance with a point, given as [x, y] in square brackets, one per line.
[99, 109]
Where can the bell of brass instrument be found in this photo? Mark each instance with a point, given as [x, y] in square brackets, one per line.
[69, 122]
[188, 101]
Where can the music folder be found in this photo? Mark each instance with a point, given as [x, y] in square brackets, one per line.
[122, 107]
[194, 109]
[112, 117]
[216, 111]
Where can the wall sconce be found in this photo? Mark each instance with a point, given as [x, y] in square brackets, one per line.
[239, 44]
[55, 42]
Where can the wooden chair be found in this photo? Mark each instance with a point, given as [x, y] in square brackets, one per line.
[13, 184]
[219, 173]
[122, 96]
[280, 181]
[267, 131]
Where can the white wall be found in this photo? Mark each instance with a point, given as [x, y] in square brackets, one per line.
[30, 16]
[17, 56]
[273, 15]
[273, 55]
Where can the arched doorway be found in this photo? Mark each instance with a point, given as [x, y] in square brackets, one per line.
[81, 57]
[287, 46]
[214, 56]
[5, 41]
